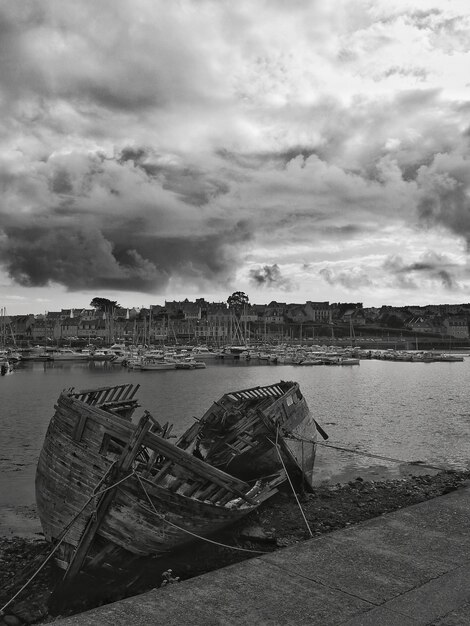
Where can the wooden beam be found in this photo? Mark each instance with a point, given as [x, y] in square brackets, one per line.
[95, 389]
[121, 428]
[123, 465]
[195, 465]
[188, 437]
[79, 427]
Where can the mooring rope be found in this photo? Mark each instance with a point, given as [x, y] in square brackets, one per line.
[189, 532]
[276, 445]
[367, 454]
[64, 533]
[96, 494]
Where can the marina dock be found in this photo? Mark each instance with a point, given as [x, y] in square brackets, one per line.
[406, 568]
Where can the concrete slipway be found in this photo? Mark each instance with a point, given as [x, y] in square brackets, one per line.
[407, 568]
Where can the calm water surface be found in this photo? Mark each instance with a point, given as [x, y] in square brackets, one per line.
[407, 411]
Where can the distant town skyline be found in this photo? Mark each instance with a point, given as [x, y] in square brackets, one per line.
[161, 302]
[295, 151]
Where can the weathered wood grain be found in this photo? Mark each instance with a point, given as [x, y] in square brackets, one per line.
[176, 498]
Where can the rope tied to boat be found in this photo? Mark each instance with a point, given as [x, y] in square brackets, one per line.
[367, 454]
[189, 532]
[276, 445]
[65, 531]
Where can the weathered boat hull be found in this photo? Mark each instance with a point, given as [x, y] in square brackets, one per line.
[254, 432]
[299, 434]
[161, 498]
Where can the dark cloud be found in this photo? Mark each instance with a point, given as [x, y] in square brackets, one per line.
[346, 231]
[98, 223]
[430, 261]
[423, 19]
[136, 155]
[80, 257]
[297, 151]
[417, 267]
[445, 193]
[433, 266]
[113, 96]
[420, 73]
[99, 57]
[192, 184]
[447, 280]
[144, 143]
[280, 158]
[61, 182]
[269, 276]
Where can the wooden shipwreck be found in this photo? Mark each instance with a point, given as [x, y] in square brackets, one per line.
[109, 490]
[256, 431]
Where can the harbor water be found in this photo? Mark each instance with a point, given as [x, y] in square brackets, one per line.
[381, 410]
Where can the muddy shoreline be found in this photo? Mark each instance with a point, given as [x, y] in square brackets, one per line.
[277, 524]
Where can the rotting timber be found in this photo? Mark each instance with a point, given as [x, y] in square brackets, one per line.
[257, 430]
[109, 491]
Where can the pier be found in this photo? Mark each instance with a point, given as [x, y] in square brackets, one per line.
[406, 568]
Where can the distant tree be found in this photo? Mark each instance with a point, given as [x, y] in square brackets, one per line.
[393, 321]
[237, 301]
[103, 305]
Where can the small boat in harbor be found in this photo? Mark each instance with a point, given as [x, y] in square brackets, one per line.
[349, 361]
[67, 354]
[449, 358]
[36, 353]
[310, 361]
[189, 363]
[256, 431]
[101, 354]
[110, 491]
[5, 366]
[152, 365]
[198, 365]
[202, 352]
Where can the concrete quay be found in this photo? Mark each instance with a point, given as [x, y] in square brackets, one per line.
[406, 568]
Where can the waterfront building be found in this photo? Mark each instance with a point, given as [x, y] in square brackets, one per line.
[421, 325]
[457, 326]
[20, 328]
[318, 312]
[216, 323]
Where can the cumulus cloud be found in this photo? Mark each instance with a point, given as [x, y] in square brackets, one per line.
[350, 279]
[433, 267]
[190, 183]
[149, 142]
[445, 192]
[424, 272]
[86, 221]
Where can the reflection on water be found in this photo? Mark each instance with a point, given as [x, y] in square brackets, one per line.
[407, 411]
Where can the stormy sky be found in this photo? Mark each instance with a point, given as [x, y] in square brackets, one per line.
[301, 150]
